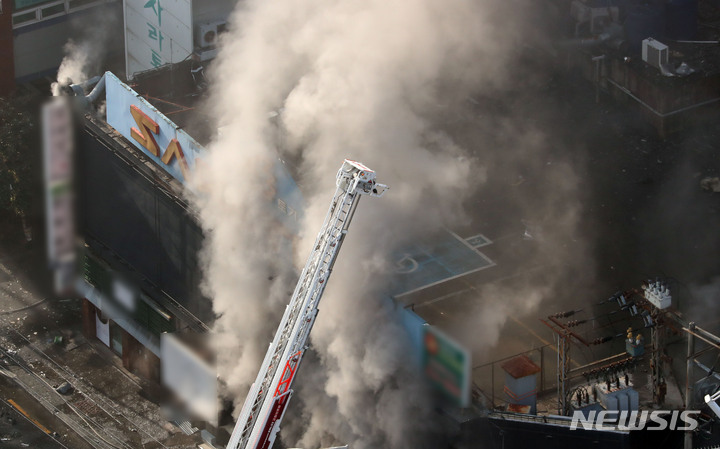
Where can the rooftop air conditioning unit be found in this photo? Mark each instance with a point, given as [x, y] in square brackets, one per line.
[207, 33]
[654, 52]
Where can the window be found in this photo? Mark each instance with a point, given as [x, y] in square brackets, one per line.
[53, 10]
[152, 320]
[24, 4]
[22, 18]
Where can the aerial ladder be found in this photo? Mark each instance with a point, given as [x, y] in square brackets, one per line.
[265, 405]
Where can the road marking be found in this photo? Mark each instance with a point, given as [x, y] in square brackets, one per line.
[32, 420]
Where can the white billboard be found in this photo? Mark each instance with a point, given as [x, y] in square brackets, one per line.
[157, 32]
[189, 377]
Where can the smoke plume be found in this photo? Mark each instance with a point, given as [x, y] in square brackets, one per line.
[703, 300]
[87, 51]
[383, 83]
[74, 66]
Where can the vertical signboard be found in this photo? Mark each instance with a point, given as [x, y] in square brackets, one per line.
[157, 32]
[192, 380]
[446, 365]
[58, 152]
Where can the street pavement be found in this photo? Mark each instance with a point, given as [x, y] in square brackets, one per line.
[42, 347]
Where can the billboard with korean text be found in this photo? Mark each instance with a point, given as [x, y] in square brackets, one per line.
[447, 365]
[157, 32]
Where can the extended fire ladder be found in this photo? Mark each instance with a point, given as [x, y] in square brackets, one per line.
[267, 400]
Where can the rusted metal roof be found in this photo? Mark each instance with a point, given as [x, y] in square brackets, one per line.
[520, 366]
[517, 408]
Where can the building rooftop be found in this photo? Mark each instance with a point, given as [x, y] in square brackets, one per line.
[178, 91]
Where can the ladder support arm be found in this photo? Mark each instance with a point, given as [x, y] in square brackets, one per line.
[267, 400]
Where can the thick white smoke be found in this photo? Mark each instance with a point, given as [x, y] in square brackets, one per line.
[368, 80]
[74, 67]
[86, 51]
[247, 274]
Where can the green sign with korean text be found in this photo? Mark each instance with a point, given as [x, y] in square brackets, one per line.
[446, 365]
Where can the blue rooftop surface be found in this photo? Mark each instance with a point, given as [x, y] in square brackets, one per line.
[445, 257]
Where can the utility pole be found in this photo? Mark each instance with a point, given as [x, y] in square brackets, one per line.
[688, 380]
[563, 334]
[657, 294]
[563, 371]
[656, 358]
[566, 335]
